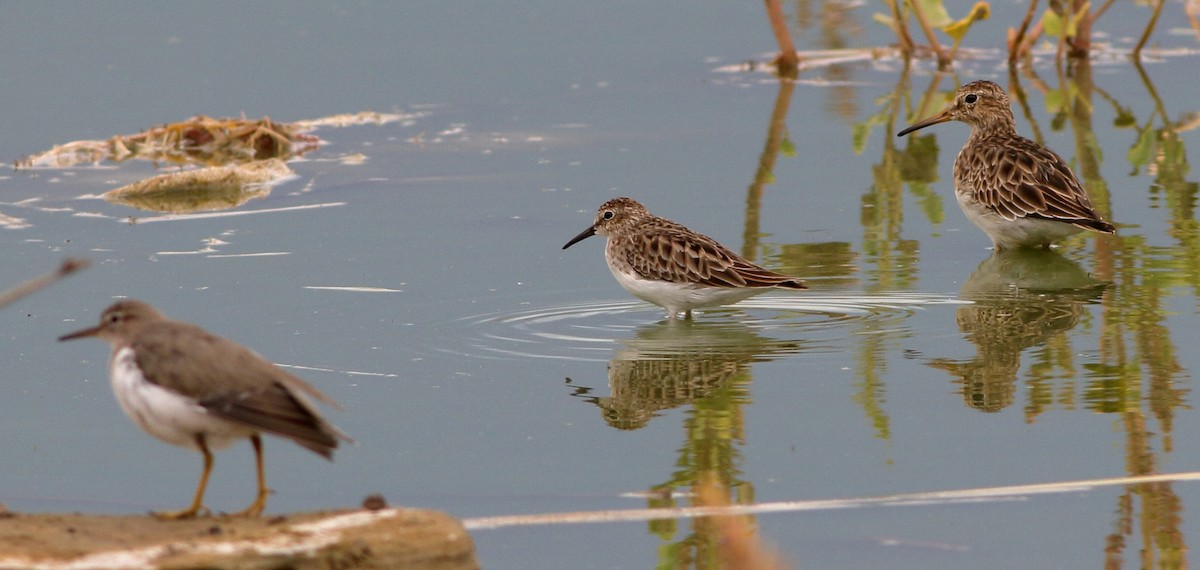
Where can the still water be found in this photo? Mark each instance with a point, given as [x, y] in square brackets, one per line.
[413, 271]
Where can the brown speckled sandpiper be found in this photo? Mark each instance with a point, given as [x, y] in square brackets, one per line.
[662, 262]
[1018, 192]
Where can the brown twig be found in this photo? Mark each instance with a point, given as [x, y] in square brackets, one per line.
[1014, 43]
[787, 62]
[69, 266]
[1192, 9]
[943, 59]
[906, 42]
[1101, 10]
[738, 541]
[1022, 99]
[1035, 33]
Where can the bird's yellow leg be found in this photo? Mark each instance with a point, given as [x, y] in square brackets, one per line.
[197, 502]
[260, 502]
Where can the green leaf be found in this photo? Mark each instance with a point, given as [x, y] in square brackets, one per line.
[859, 134]
[1056, 101]
[1051, 23]
[1143, 149]
[929, 201]
[1125, 118]
[935, 13]
[958, 29]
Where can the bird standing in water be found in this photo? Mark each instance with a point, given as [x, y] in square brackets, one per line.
[665, 263]
[1018, 192]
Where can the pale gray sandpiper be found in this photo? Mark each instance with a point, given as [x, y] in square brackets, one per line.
[1018, 192]
[667, 264]
[194, 389]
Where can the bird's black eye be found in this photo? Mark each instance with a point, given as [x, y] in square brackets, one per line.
[971, 98]
[114, 318]
[608, 214]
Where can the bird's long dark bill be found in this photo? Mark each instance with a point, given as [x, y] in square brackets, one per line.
[582, 236]
[938, 118]
[80, 334]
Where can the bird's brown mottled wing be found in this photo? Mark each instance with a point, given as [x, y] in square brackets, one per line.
[670, 252]
[1021, 178]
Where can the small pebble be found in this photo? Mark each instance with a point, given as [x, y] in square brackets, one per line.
[374, 502]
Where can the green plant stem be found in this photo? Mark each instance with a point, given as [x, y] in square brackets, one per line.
[1015, 49]
[1137, 51]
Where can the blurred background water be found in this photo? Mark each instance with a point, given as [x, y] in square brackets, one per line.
[485, 371]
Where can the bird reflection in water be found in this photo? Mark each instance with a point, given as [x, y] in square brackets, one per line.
[1021, 298]
[664, 367]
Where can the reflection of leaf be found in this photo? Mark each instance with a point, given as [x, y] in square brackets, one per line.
[918, 162]
[1143, 149]
[862, 131]
[916, 166]
[1175, 154]
[859, 134]
[929, 201]
[787, 147]
[1056, 101]
[935, 13]
[885, 20]
[958, 29]
[1125, 118]
[1059, 101]
[1058, 122]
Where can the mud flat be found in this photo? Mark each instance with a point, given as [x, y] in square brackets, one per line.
[382, 538]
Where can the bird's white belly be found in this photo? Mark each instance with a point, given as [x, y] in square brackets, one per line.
[1019, 232]
[165, 414]
[678, 297]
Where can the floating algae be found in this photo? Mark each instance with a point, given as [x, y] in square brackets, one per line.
[199, 140]
[213, 188]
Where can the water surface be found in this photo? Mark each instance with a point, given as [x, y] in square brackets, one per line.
[485, 371]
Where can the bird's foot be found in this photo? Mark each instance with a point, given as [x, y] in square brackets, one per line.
[182, 514]
[256, 508]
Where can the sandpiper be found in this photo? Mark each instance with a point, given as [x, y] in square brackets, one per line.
[662, 262]
[1018, 192]
[191, 388]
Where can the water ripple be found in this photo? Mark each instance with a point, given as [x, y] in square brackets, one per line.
[591, 331]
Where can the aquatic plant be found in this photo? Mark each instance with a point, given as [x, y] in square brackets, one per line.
[930, 15]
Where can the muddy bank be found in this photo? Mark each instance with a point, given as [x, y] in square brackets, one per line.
[384, 538]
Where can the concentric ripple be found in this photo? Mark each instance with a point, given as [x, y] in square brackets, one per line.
[591, 331]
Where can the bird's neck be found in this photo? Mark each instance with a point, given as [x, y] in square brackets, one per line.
[1001, 124]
